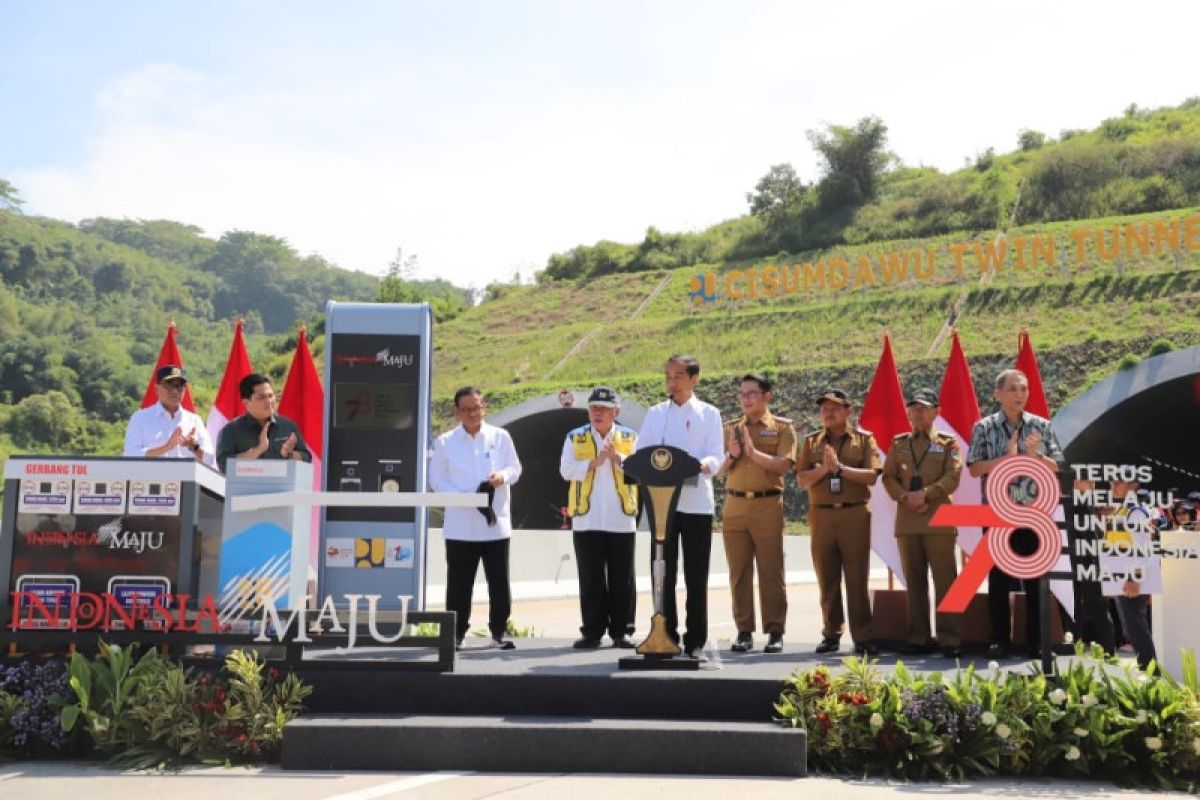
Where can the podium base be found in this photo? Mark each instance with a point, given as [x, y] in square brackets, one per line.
[647, 663]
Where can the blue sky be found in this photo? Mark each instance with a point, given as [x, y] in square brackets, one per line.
[484, 136]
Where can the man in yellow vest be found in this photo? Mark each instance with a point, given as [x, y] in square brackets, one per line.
[603, 509]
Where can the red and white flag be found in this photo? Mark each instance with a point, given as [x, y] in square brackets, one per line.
[303, 402]
[885, 416]
[228, 404]
[1027, 363]
[958, 414]
[167, 354]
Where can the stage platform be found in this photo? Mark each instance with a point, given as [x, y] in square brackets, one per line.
[545, 706]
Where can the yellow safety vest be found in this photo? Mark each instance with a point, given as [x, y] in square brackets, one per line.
[580, 494]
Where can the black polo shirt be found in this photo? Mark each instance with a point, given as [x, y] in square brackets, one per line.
[242, 434]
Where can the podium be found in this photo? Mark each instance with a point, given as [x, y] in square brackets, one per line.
[264, 551]
[133, 528]
[1173, 612]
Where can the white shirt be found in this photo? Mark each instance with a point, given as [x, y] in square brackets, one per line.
[153, 426]
[695, 427]
[604, 505]
[460, 462]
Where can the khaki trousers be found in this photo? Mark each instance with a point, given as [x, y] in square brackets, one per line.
[920, 554]
[841, 548]
[753, 533]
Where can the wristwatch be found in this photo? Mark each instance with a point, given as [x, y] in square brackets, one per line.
[195, 448]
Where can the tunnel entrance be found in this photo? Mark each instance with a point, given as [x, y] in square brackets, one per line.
[1145, 416]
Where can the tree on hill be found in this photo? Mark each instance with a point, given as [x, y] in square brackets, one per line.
[854, 160]
[159, 238]
[401, 286]
[778, 200]
[8, 197]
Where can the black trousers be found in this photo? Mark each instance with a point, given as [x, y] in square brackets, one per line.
[1135, 619]
[462, 562]
[693, 534]
[999, 585]
[1024, 542]
[606, 590]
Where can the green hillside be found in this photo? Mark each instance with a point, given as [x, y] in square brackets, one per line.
[83, 311]
[515, 343]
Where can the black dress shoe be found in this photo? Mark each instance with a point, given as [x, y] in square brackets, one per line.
[623, 642]
[829, 646]
[744, 643]
[866, 649]
[587, 643]
[504, 644]
[774, 643]
[997, 650]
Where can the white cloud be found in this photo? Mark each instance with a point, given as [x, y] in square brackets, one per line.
[486, 165]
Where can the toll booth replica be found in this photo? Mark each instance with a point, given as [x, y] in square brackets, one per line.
[378, 365]
[133, 528]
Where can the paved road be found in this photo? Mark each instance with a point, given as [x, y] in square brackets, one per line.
[41, 781]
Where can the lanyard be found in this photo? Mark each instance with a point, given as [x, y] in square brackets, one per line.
[1020, 432]
[841, 444]
[917, 461]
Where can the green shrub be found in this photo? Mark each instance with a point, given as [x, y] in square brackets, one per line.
[1159, 347]
[1128, 361]
[152, 712]
[1095, 719]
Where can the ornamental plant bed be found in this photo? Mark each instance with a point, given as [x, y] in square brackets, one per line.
[147, 711]
[1096, 719]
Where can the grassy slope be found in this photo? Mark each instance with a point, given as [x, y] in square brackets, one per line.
[510, 345]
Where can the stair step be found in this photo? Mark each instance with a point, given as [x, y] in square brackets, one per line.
[542, 744]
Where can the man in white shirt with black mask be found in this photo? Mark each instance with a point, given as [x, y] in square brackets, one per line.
[476, 457]
[690, 424]
[167, 429]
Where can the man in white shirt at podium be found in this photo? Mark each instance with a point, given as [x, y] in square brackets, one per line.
[167, 429]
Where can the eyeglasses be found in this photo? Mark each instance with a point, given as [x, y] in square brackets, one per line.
[479, 409]
[173, 386]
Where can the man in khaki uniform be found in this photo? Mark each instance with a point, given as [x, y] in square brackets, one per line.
[921, 473]
[761, 449]
[838, 465]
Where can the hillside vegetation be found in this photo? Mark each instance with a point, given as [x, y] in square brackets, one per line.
[83, 311]
[1142, 161]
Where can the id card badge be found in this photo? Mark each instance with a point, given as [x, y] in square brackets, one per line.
[835, 484]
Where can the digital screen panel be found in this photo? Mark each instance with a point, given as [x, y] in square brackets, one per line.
[374, 406]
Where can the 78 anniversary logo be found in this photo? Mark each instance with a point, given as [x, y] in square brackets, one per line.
[1003, 516]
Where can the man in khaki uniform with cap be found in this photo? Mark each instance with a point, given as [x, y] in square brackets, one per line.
[921, 473]
[761, 450]
[838, 465]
